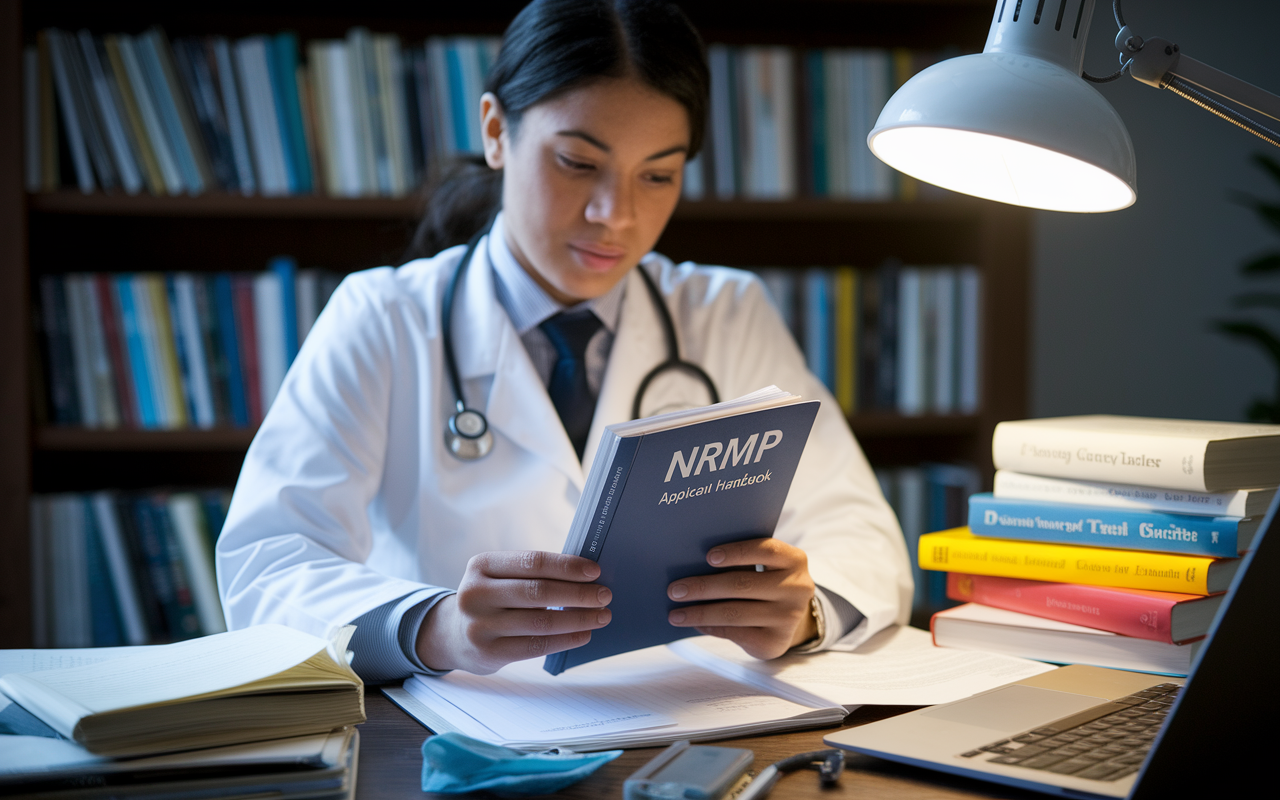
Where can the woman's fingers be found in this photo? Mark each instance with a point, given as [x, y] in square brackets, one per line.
[545, 622]
[534, 564]
[737, 614]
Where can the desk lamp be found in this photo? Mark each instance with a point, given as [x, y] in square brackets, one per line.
[1018, 122]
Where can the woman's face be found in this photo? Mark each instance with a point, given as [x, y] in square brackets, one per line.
[590, 178]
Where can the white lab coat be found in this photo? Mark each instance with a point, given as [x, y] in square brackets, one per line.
[348, 498]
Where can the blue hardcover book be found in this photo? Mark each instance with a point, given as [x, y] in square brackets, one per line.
[287, 269]
[665, 490]
[283, 48]
[225, 316]
[1094, 526]
[108, 630]
[457, 98]
[136, 350]
[817, 325]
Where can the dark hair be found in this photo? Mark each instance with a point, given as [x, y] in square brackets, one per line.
[551, 47]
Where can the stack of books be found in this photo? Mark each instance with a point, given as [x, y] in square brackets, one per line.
[902, 339]
[125, 568]
[267, 711]
[1107, 541]
[173, 350]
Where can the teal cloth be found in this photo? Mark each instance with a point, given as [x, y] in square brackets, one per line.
[453, 764]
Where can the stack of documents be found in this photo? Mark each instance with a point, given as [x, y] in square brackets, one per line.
[266, 710]
[699, 689]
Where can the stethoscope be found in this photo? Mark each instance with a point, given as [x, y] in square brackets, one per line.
[467, 435]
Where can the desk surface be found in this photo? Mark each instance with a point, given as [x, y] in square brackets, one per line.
[391, 765]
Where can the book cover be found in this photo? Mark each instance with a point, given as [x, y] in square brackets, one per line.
[150, 602]
[81, 357]
[254, 79]
[229, 349]
[817, 324]
[167, 102]
[109, 114]
[117, 560]
[845, 282]
[193, 71]
[1237, 503]
[203, 290]
[958, 550]
[113, 340]
[283, 68]
[246, 336]
[1168, 453]
[652, 511]
[182, 287]
[103, 371]
[224, 73]
[106, 629]
[182, 105]
[910, 342]
[1160, 616]
[148, 112]
[139, 369]
[1065, 523]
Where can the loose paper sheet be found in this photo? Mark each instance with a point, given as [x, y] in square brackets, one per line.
[898, 666]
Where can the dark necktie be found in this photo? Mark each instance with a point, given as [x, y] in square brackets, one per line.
[569, 334]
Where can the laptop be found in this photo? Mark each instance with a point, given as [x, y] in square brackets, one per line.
[1089, 732]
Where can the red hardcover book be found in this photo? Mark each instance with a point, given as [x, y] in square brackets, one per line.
[247, 338]
[1142, 614]
[122, 377]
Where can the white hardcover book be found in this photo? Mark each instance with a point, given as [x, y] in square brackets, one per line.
[109, 412]
[264, 124]
[72, 609]
[911, 398]
[268, 315]
[31, 116]
[41, 572]
[343, 122]
[188, 524]
[126, 164]
[123, 581]
[720, 61]
[81, 356]
[441, 96]
[234, 109]
[71, 121]
[357, 67]
[836, 89]
[185, 319]
[969, 327]
[1165, 453]
[945, 340]
[142, 94]
[157, 371]
[1237, 503]
[782, 70]
[306, 300]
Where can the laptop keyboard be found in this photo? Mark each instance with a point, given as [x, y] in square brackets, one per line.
[1103, 743]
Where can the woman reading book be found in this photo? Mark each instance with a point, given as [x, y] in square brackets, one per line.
[420, 467]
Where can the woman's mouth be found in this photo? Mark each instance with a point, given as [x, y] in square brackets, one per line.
[597, 257]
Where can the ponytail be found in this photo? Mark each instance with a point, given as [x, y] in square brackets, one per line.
[554, 46]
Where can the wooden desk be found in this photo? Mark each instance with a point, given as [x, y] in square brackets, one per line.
[391, 765]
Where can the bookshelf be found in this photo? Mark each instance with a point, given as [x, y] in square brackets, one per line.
[67, 231]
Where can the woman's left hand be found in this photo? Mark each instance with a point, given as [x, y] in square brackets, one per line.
[765, 613]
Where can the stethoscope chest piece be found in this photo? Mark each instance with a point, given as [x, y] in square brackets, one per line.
[468, 436]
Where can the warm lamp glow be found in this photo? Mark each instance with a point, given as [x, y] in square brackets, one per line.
[1001, 169]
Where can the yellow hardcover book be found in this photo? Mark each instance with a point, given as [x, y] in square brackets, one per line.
[172, 372]
[958, 550]
[846, 343]
[150, 166]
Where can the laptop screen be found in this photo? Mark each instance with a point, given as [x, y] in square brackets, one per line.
[1221, 730]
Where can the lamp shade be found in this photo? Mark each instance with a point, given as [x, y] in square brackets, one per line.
[1013, 124]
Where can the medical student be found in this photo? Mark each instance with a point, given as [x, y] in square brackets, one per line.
[430, 507]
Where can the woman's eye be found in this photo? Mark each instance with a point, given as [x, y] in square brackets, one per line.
[660, 178]
[574, 164]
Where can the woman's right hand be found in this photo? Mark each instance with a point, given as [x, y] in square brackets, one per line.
[511, 606]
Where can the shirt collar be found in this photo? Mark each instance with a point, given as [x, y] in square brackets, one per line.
[526, 303]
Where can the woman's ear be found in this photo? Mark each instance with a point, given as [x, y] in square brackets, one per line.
[493, 124]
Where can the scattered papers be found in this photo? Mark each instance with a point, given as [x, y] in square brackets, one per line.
[897, 667]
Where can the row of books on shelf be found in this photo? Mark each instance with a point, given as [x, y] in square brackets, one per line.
[786, 122]
[173, 350]
[1072, 560]
[122, 568]
[362, 116]
[900, 339]
[367, 115]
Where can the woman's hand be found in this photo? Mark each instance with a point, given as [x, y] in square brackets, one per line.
[512, 606]
[765, 613]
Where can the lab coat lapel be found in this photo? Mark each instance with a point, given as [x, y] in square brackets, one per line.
[638, 347]
[518, 406]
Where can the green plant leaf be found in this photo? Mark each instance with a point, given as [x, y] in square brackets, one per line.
[1269, 164]
[1257, 300]
[1253, 332]
[1262, 264]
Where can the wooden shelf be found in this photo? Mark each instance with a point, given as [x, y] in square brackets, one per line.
[61, 439]
[216, 205]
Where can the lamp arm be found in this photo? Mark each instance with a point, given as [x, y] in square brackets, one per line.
[1160, 63]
